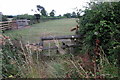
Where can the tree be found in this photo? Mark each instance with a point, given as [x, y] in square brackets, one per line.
[4, 18]
[73, 15]
[37, 17]
[52, 13]
[60, 15]
[25, 16]
[68, 15]
[42, 10]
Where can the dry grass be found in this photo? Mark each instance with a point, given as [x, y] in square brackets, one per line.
[34, 64]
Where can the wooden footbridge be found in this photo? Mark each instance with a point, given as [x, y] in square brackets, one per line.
[64, 45]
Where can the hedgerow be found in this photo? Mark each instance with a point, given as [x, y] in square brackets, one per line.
[101, 22]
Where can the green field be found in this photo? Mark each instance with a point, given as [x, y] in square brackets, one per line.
[49, 28]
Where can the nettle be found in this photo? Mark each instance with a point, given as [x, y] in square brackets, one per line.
[101, 22]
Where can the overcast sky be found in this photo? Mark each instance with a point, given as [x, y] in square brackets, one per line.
[15, 7]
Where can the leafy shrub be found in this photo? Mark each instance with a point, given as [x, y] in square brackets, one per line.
[101, 21]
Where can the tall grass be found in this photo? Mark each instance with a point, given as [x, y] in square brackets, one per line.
[20, 61]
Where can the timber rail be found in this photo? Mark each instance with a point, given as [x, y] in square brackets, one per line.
[71, 37]
[8, 25]
[61, 37]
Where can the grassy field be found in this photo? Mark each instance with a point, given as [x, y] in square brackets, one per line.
[54, 27]
[22, 62]
[43, 66]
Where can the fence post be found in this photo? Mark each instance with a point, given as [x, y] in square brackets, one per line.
[41, 43]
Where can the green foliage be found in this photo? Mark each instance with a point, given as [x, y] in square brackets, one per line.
[9, 59]
[42, 10]
[74, 15]
[52, 13]
[110, 69]
[68, 15]
[37, 17]
[25, 16]
[4, 18]
[101, 21]
[32, 18]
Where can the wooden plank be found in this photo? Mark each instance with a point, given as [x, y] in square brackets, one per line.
[55, 47]
[61, 37]
[47, 48]
[0, 25]
[5, 24]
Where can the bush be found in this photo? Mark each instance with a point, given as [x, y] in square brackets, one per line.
[101, 22]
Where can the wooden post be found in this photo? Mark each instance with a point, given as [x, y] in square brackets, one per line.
[41, 43]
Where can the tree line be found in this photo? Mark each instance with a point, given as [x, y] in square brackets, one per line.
[42, 14]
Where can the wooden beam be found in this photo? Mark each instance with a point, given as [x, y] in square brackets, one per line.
[61, 37]
[55, 47]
